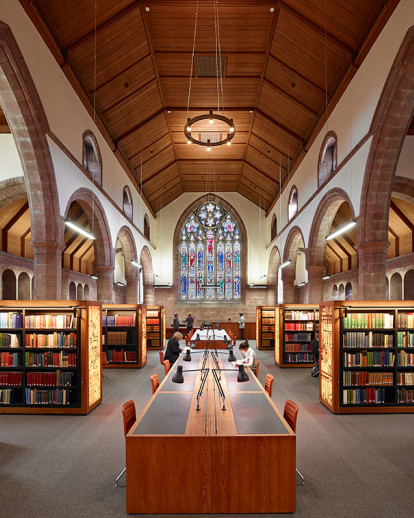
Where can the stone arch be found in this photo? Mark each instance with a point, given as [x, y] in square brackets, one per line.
[86, 292]
[409, 285]
[348, 291]
[8, 279]
[341, 292]
[396, 285]
[335, 292]
[28, 124]
[127, 203]
[273, 271]
[403, 188]
[293, 203]
[91, 157]
[11, 190]
[327, 164]
[292, 245]
[273, 228]
[131, 272]
[23, 286]
[148, 275]
[72, 291]
[176, 239]
[147, 228]
[79, 292]
[389, 126]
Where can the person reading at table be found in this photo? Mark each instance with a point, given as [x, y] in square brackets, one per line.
[173, 348]
[249, 356]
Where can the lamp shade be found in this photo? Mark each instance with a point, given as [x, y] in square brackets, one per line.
[187, 356]
[178, 376]
[231, 357]
[242, 376]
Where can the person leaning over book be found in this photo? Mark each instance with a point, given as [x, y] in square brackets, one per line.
[173, 349]
[249, 356]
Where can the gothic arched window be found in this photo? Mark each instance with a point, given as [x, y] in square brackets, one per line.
[210, 255]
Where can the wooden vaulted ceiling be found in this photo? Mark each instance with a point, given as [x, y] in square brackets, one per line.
[285, 62]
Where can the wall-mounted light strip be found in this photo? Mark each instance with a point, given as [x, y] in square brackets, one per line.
[340, 230]
[325, 277]
[79, 230]
[134, 263]
[120, 284]
[161, 286]
[286, 263]
[258, 285]
[94, 277]
[302, 284]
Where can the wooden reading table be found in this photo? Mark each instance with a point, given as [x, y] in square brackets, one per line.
[238, 460]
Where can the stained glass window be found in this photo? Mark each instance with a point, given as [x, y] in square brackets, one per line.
[210, 255]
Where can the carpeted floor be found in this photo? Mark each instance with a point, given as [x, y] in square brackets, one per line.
[65, 466]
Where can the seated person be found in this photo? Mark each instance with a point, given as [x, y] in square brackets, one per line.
[173, 349]
[249, 356]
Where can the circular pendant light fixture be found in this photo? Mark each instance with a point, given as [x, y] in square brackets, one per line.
[211, 117]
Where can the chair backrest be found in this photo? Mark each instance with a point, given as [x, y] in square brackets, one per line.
[269, 384]
[167, 366]
[161, 357]
[129, 415]
[290, 413]
[257, 369]
[155, 382]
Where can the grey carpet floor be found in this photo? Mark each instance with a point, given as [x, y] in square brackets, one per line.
[65, 466]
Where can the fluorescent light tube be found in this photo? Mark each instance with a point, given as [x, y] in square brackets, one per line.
[286, 263]
[79, 230]
[341, 230]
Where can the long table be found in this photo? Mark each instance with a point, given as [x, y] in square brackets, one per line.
[211, 338]
[238, 460]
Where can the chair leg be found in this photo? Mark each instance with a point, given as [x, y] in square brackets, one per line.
[119, 477]
[104, 375]
[301, 476]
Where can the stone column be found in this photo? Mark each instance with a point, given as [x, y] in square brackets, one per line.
[105, 283]
[371, 266]
[149, 294]
[288, 278]
[315, 283]
[47, 269]
[131, 290]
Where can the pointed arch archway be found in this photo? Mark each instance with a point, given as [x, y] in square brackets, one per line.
[131, 272]
[293, 243]
[27, 121]
[392, 118]
[273, 273]
[148, 275]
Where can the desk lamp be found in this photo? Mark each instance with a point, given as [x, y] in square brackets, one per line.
[178, 376]
[187, 356]
[231, 357]
[242, 376]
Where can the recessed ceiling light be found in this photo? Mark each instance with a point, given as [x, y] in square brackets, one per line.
[147, 8]
[272, 9]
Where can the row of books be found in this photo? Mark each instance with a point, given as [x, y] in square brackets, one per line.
[297, 348]
[9, 340]
[267, 328]
[405, 320]
[405, 395]
[153, 321]
[369, 396]
[55, 396]
[50, 379]
[293, 337]
[11, 378]
[153, 336]
[155, 329]
[267, 336]
[121, 356]
[405, 339]
[50, 359]
[298, 358]
[405, 378]
[115, 338]
[268, 320]
[268, 313]
[9, 359]
[366, 340]
[301, 315]
[118, 320]
[6, 396]
[351, 378]
[298, 326]
[368, 321]
[154, 342]
[405, 359]
[267, 343]
[51, 340]
[369, 359]
[50, 321]
[11, 320]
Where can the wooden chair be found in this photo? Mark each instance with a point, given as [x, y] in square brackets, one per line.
[155, 382]
[257, 369]
[129, 416]
[161, 357]
[290, 413]
[167, 366]
[269, 384]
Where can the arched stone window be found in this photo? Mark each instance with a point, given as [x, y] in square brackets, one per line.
[9, 285]
[293, 202]
[396, 287]
[72, 291]
[210, 254]
[327, 158]
[24, 286]
[91, 157]
[147, 231]
[127, 203]
[409, 285]
[348, 291]
[273, 228]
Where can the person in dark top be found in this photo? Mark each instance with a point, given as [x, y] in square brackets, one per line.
[173, 349]
[176, 323]
[315, 351]
[189, 322]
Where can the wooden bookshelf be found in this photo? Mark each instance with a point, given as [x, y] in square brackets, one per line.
[123, 339]
[265, 327]
[367, 356]
[295, 325]
[155, 317]
[50, 357]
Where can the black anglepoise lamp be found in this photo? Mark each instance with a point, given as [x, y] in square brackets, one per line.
[231, 357]
[187, 356]
[178, 376]
[242, 376]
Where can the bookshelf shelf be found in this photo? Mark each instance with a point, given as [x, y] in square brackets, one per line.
[380, 332]
[155, 327]
[296, 323]
[265, 327]
[79, 366]
[123, 336]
